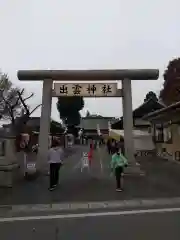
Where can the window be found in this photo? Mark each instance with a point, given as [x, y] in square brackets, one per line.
[162, 133]
[159, 135]
[167, 134]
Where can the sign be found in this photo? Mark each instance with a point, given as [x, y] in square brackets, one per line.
[87, 89]
[85, 161]
[31, 166]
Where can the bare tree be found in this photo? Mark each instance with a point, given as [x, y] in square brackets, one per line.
[13, 104]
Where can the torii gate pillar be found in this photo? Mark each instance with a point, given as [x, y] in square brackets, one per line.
[45, 121]
[128, 120]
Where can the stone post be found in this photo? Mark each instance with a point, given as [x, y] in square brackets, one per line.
[45, 120]
[128, 128]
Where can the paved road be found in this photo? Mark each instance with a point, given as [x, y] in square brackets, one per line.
[134, 226]
[161, 181]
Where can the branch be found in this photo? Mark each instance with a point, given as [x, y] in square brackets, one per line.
[22, 101]
[35, 109]
[16, 103]
[32, 94]
[12, 116]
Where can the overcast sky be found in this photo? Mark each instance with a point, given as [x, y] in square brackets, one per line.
[87, 34]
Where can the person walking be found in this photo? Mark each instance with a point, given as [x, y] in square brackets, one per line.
[118, 163]
[90, 156]
[109, 146]
[113, 146]
[55, 155]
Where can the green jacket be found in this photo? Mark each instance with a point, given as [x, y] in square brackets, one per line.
[118, 161]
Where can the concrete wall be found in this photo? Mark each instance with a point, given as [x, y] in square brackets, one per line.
[144, 143]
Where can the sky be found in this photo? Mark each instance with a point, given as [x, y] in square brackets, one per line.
[91, 34]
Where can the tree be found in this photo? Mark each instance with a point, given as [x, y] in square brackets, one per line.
[171, 78]
[13, 105]
[151, 95]
[56, 128]
[9, 102]
[69, 108]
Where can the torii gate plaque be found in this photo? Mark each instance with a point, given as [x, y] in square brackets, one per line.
[48, 76]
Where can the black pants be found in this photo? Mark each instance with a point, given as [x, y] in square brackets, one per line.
[113, 150]
[54, 173]
[109, 150]
[118, 174]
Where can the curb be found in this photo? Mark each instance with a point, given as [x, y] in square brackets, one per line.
[63, 207]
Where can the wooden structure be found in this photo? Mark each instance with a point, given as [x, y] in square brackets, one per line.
[89, 125]
[165, 125]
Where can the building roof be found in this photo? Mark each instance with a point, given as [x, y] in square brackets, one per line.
[148, 106]
[145, 108]
[173, 107]
[32, 121]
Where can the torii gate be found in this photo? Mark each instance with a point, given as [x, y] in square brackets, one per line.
[48, 76]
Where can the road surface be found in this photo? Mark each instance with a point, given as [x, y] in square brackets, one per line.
[135, 225]
[162, 180]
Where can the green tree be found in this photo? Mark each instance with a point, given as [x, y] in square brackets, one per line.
[68, 108]
[56, 128]
[151, 95]
[171, 77]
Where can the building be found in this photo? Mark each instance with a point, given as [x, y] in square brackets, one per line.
[165, 124]
[138, 121]
[90, 124]
[33, 124]
[141, 127]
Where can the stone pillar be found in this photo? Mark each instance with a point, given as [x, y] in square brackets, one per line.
[128, 120]
[9, 168]
[10, 153]
[45, 124]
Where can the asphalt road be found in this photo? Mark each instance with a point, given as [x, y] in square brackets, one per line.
[161, 181]
[124, 226]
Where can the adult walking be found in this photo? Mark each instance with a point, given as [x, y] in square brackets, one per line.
[55, 155]
[118, 163]
[113, 146]
[109, 146]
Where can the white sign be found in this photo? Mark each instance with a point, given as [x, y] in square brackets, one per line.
[31, 166]
[87, 89]
[85, 161]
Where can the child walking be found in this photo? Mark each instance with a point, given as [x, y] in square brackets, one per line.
[118, 163]
[90, 154]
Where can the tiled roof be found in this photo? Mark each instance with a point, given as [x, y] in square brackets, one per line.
[145, 108]
[172, 107]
